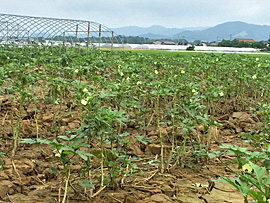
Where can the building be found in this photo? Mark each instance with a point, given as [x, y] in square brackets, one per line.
[163, 42]
[214, 43]
[244, 40]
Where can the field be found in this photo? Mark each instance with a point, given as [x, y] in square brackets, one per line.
[133, 126]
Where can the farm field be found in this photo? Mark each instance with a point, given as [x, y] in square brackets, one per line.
[133, 126]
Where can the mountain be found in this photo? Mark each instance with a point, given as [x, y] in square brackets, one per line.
[227, 30]
[153, 32]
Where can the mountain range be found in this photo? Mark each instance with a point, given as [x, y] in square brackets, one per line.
[227, 31]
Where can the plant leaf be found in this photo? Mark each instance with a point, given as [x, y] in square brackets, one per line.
[259, 172]
[84, 154]
[54, 170]
[86, 183]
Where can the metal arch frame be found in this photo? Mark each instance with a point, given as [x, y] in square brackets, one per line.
[25, 28]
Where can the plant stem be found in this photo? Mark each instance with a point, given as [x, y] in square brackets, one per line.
[36, 119]
[160, 137]
[17, 129]
[101, 161]
[66, 186]
[54, 118]
[173, 132]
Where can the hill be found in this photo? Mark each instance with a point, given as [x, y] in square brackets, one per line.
[153, 32]
[227, 30]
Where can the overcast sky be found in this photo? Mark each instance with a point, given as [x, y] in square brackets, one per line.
[144, 13]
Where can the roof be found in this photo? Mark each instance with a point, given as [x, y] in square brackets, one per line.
[164, 42]
[168, 42]
[244, 40]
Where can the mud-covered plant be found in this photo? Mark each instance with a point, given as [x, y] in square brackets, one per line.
[104, 121]
[157, 92]
[56, 92]
[189, 115]
[263, 111]
[117, 160]
[212, 96]
[66, 150]
[20, 92]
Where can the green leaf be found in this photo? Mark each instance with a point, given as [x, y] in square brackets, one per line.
[244, 186]
[214, 155]
[143, 140]
[266, 164]
[62, 137]
[259, 172]
[239, 183]
[84, 155]
[2, 154]
[266, 181]
[105, 93]
[109, 154]
[256, 195]
[86, 183]
[29, 141]
[35, 141]
[43, 141]
[97, 153]
[235, 149]
[72, 137]
[54, 170]
[67, 148]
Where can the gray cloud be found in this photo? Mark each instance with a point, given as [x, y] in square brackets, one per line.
[173, 13]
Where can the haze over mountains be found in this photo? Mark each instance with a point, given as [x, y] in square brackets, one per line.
[227, 31]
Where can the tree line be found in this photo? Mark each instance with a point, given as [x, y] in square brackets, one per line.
[240, 44]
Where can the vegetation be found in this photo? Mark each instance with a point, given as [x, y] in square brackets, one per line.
[114, 91]
[190, 48]
[236, 43]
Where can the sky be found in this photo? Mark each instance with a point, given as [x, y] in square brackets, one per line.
[145, 13]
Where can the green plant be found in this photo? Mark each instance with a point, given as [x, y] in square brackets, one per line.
[20, 92]
[190, 48]
[254, 180]
[67, 150]
[56, 93]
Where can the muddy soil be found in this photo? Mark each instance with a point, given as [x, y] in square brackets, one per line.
[27, 177]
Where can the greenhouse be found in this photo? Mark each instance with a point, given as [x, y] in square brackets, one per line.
[29, 31]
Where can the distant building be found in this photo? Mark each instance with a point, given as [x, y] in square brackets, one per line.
[244, 40]
[199, 43]
[163, 42]
[214, 43]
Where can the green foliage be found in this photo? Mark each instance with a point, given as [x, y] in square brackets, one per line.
[236, 43]
[86, 183]
[190, 48]
[143, 140]
[254, 180]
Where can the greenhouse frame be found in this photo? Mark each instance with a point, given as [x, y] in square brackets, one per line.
[40, 31]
